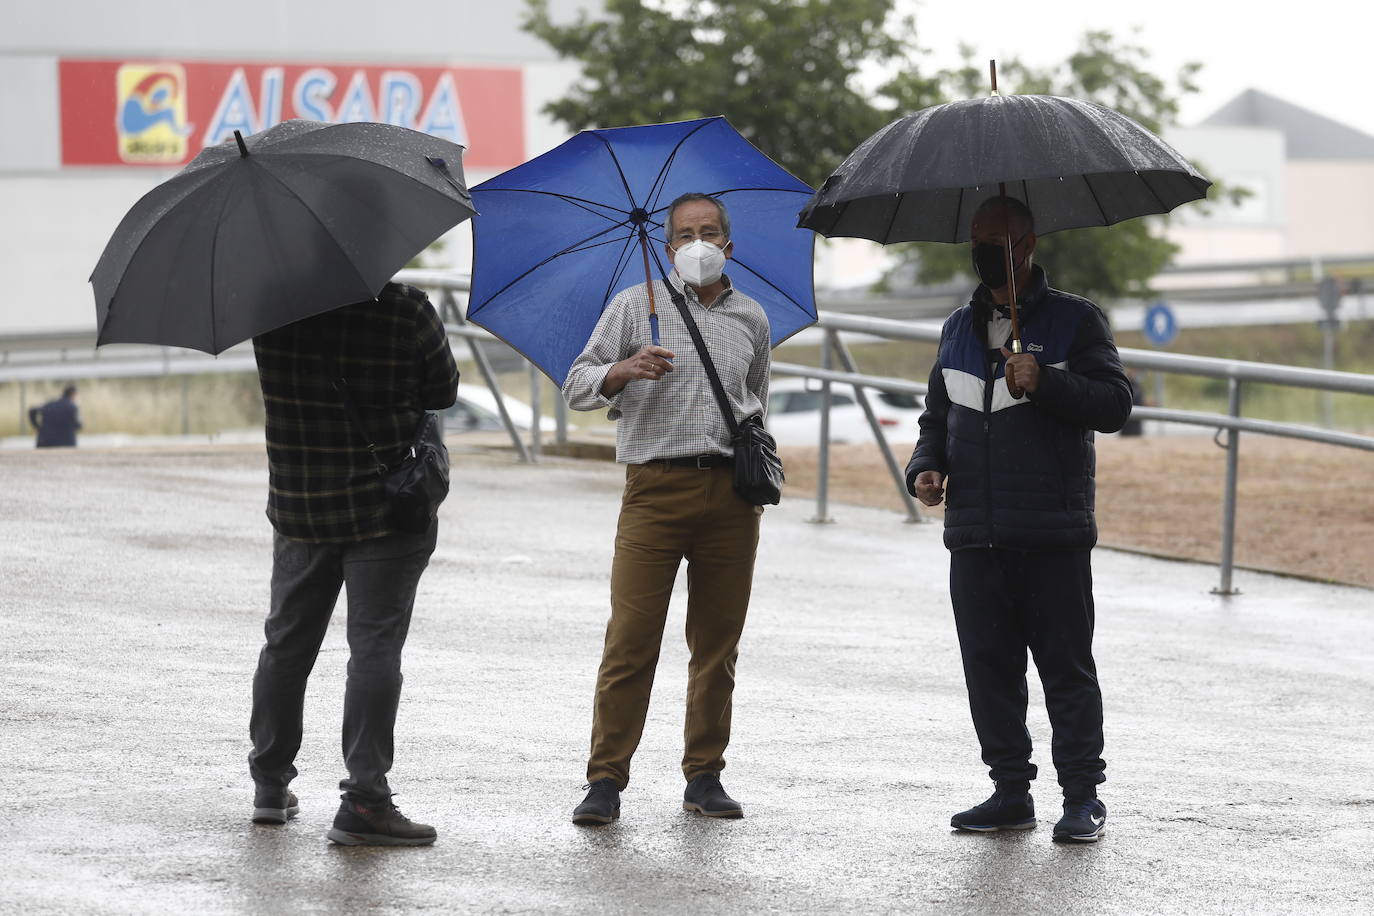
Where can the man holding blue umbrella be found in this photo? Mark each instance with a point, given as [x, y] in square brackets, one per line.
[679, 501]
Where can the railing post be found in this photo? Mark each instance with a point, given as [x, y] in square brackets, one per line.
[1228, 508]
[535, 433]
[822, 516]
[560, 419]
[186, 405]
[1329, 297]
[913, 514]
[450, 311]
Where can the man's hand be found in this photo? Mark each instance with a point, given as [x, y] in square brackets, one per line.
[1023, 373]
[650, 362]
[930, 487]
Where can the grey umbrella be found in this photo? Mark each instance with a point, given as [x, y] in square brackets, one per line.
[1073, 162]
[259, 232]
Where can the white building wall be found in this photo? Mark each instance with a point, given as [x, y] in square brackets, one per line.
[1331, 208]
[1252, 158]
[55, 219]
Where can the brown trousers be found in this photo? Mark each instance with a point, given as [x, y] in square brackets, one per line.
[667, 514]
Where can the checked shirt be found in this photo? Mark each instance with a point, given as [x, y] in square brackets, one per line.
[677, 415]
[393, 351]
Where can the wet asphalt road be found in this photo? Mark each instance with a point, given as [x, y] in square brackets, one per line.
[133, 584]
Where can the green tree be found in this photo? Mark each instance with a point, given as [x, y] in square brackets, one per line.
[785, 72]
[788, 74]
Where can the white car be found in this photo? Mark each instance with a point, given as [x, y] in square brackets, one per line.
[794, 413]
[475, 410]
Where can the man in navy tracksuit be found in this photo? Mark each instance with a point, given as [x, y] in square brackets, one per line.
[1009, 438]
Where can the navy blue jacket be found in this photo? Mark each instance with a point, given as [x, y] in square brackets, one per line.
[1019, 473]
[57, 423]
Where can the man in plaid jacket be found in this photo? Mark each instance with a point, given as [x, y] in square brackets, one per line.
[332, 531]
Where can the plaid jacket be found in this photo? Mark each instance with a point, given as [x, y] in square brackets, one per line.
[394, 354]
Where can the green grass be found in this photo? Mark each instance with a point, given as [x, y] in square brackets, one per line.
[218, 402]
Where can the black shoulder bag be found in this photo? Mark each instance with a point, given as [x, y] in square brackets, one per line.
[417, 482]
[758, 469]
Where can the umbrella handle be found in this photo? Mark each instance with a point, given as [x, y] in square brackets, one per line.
[649, 284]
[1011, 273]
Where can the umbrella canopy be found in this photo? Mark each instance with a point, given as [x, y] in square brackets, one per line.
[559, 236]
[259, 232]
[1073, 162]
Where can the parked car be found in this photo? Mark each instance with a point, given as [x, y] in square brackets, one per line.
[475, 410]
[794, 413]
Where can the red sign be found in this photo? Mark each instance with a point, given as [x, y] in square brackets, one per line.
[153, 112]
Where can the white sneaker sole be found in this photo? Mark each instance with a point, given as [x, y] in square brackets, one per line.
[1026, 825]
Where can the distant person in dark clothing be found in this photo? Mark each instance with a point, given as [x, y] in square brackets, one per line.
[57, 421]
[329, 507]
[1009, 437]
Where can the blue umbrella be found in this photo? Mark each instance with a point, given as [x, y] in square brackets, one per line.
[559, 236]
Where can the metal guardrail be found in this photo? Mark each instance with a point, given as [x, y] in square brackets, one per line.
[452, 287]
[1236, 372]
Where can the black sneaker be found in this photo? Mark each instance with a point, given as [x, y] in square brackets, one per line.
[1084, 821]
[1005, 810]
[602, 804]
[274, 805]
[367, 824]
[705, 795]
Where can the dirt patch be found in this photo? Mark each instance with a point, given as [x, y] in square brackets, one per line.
[1302, 508]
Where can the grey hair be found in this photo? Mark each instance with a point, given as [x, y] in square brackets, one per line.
[1014, 208]
[688, 198]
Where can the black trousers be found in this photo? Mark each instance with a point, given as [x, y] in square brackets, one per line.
[380, 576]
[1008, 601]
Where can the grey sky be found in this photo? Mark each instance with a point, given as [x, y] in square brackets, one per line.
[1308, 53]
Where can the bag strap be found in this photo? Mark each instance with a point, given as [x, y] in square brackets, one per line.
[707, 363]
[340, 385]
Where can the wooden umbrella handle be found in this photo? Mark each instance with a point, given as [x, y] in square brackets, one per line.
[648, 278]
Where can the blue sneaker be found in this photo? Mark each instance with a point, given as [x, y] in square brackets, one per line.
[1005, 810]
[1084, 821]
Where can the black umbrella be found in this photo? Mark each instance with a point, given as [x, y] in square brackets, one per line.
[257, 233]
[1074, 163]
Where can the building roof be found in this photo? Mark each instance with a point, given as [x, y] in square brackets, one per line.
[1306, 134]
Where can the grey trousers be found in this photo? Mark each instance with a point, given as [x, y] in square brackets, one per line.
[380, 576]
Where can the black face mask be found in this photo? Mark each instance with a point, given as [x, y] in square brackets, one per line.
[990, 263]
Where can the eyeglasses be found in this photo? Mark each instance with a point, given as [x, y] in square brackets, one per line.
[714, 236]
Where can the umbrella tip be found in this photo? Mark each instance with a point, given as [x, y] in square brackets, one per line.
[243, 147]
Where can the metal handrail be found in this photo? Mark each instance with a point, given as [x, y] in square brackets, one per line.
[451, 286]
[1236, 372]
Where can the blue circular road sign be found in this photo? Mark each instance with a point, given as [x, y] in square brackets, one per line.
[1161, 327]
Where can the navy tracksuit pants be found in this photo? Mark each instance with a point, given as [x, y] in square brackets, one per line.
[1008, 601]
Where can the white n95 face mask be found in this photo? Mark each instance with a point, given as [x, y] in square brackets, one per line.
[700, 263]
